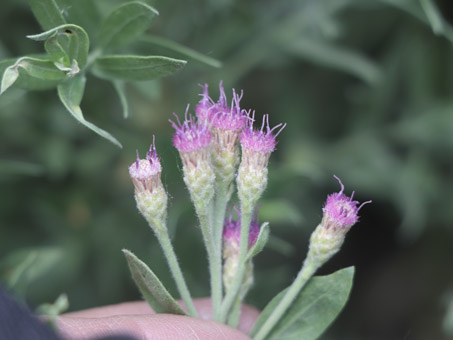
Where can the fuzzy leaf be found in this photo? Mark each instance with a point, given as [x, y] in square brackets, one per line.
[30, 73]
[70, 93]
[261, 241]
[47, 13]
[135, 68]
[181, 49]
[151, 288]
[314, 309]
[65, 44]
[121, 91]
[126, 23]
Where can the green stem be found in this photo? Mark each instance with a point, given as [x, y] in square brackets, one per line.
[307, 271]
[215, 262]
[246, 219]
[164, 240]
[235, 314]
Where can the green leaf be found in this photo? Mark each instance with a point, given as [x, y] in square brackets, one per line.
[126, 23]
[47, 13]
[121, 91]
[181, 49]
[152, 289]
[261, 241]
[66, 43]
[70, 93]
[30, 73]
[60, 305]
[314, 309]
[135, 68]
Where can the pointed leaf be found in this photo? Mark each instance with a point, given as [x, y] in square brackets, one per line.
[152, 289]
[181, 49]
[314, 309]
[126, 23]
[261, 241]
[30, 73]
[65, 43]
[135, 68]
[121, 91]
[47, 13]
[70, 93]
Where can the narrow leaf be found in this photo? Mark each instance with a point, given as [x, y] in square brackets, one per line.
[67, 42]
[151, 288]
[314, 309]
[183, 50]
[261, 241]
[121, 91]
[30, 73]
[135, 68]
[9, 77]
[47, 13]
[126, 23]
[70, 93]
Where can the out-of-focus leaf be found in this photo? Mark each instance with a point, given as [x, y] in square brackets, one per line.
[326, 54]
[65, 44]
[126, 23]
[60, 305]
[70, 93]
[135, 68]
[150, 286]
[181, 49]
[121, 91]
[22, 267]
[47, 13]
[280, 211]
[261, 241]
[30, 73]
[313, 310]
[84, 13]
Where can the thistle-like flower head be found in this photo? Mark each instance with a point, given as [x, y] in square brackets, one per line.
[145, 173]
[205, 106]
[232, 229]
[340, 211]
[192, 139]
[228, 118]
[257, 145]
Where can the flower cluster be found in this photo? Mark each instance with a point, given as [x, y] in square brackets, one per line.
[221, 150]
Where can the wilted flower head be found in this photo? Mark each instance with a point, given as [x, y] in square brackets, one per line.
[340, 211]
[145, 173]
[192, 139]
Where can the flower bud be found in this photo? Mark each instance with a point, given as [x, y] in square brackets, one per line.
[257, 146]
[150, 194]
[340, 213]
[231, 241]
[193, 141]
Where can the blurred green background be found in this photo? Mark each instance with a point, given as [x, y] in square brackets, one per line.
[366, 87]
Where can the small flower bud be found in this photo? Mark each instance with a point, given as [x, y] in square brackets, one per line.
[340, 213]
[150, 194]
[226, 124]
[231, 240]
[257, 146]
[205, 106]
[193, 141]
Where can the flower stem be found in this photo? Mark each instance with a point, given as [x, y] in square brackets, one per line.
[215, 261]
[164, 240]
[308, 269]
[246, 218]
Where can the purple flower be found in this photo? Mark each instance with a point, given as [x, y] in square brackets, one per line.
[228, 118]
[232, 230]
[340, 211]
[205, 106]
[257, 145]
[192, 139]
[145, 173]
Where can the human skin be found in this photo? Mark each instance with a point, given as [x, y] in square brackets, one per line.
[138, 320]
